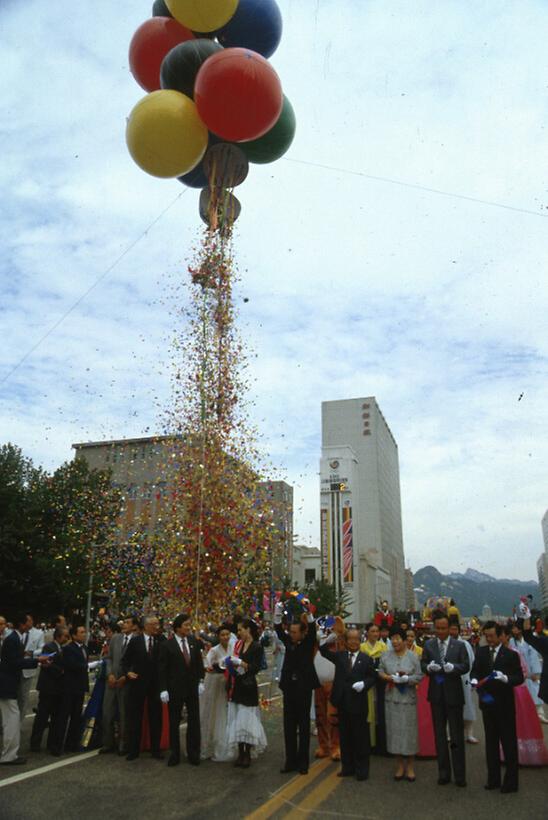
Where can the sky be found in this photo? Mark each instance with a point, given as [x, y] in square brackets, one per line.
[399, 250]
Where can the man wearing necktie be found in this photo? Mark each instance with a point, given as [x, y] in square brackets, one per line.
[75, 686]
[497, 670]
[181, 683]
[114, 702]
[354, 676]
[140, 669]
[445, 660]
[12, 661]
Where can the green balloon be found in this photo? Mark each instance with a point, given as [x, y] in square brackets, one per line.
[273, 145]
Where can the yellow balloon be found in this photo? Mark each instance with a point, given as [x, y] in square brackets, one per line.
[165, 135]
[202, 15]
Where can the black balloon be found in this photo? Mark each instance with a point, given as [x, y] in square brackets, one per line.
[159, 9]
[181, 65]
[197, 178]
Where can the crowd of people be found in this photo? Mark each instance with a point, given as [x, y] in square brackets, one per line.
[391, 688]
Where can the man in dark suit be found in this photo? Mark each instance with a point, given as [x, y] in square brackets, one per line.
[354, 676]
[298, 681]
[495, 672]
[181, 681]
[445, 660]
[12, 662]
[140, 668]
[75, 687]
[50, 696]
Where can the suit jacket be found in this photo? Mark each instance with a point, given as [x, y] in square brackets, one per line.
[12, 662]
[136, 659]
[75, 664]
[342, 694]
[298, 670]
[540, 643]
[446, 686]
[50, 679]
[175, 676]
[115, 654]
[507, 661]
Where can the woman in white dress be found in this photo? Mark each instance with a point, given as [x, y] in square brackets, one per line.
[245, 733]
[214, 701]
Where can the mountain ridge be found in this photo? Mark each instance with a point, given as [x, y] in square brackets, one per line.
[472, 590]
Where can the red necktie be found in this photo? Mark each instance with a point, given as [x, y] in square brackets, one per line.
[186, 654]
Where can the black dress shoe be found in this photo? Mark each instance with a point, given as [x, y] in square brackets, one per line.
[508, 789]
[443, 781]
[287, 769]
[132, 756]
[173, 760]
[54, 752]
[35, 749]
[107, 750]
[194, 761]
[157, 755]
[460, 783]
[361, 777]
[489, 787]
[303, 771]
[346, 774]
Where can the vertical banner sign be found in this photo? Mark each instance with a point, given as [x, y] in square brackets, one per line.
[348, 545]
[325, 544]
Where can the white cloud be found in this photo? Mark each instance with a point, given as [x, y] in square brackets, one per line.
[436, 305]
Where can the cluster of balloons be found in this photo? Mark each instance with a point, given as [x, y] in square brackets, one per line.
[214, 102]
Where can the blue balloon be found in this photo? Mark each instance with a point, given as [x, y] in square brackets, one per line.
[197, 178]
[257, 25]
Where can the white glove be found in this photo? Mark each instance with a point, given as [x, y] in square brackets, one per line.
[359, 686]
[164, 696]
[94, 664]
[240, 670]
[501, 676]
[327, 639]
[433, 667]
[448, 667]
[310, 617]
[404, 679]
[278, 612]
[236, 661]
[473, 682]
[395, 678]
[201, 688]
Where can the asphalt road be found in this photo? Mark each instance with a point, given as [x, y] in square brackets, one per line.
[88, 786]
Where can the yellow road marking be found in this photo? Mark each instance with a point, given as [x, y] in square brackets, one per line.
[278, 800]
[314, 798]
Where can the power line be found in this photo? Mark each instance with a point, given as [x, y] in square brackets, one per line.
[92, 287]
[415, 186]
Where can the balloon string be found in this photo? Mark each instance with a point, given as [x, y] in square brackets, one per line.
[203, 418]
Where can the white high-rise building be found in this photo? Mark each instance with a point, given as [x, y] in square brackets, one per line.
[361, 529]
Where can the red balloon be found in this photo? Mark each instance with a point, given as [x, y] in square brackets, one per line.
[238, 94]
[150, 44]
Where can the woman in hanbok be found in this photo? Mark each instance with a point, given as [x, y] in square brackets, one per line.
[533, 666]
[214, 702]
[532, 749]
[374, 647]
[427, 742]
[245, 733]
[411, 641]
[469, 712]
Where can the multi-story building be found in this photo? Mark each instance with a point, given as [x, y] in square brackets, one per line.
[411, 603]
[306, 565]
[145, 470]
[361, 528]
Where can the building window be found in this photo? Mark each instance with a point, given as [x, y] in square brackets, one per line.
[365, 415]
[365, 407]
[309, 576]
[367, 432]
